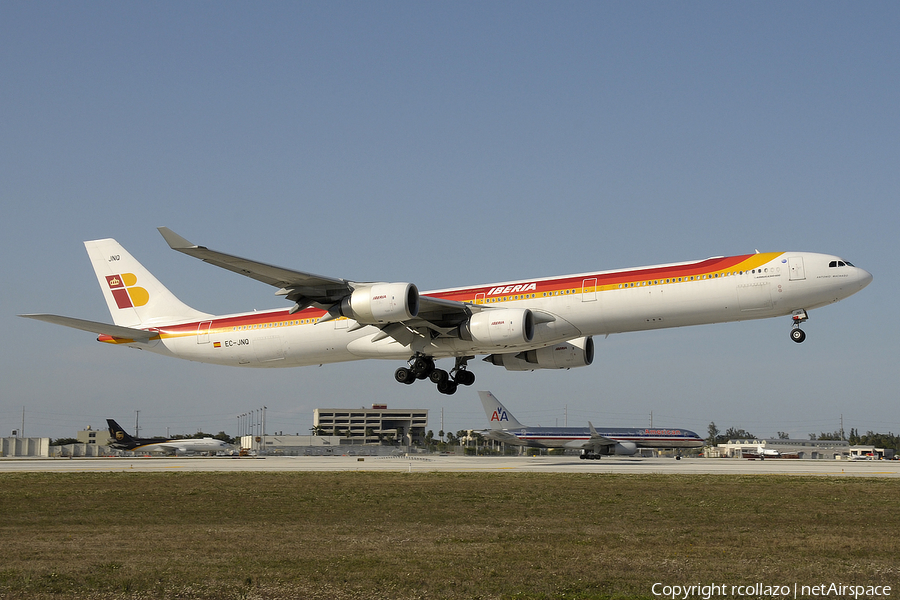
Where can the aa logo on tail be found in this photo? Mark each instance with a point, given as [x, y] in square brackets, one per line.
[499, 415]
[125, 292]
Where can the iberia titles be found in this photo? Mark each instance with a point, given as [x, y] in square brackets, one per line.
[512, 289]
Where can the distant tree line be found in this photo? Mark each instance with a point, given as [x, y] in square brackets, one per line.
[715, 437]
[879, 440]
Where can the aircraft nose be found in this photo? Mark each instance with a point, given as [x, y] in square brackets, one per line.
[864, 277]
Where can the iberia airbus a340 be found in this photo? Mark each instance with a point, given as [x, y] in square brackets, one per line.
[525, 325]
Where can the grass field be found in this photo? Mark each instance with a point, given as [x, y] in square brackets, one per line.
[437, 535]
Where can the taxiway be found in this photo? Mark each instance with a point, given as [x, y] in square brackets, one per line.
[833, 468]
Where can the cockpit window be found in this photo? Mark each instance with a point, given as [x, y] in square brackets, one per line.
[840, 263]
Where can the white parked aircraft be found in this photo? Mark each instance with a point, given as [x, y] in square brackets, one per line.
[122, 440]
[762, 452]
[525, 325]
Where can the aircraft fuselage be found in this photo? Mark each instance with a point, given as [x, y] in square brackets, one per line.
[716, 290]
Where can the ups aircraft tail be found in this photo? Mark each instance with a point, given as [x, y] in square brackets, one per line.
[119, 436]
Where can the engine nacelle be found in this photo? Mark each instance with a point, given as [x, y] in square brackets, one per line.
[619, 449]
[501, 327]
[626, 448]
[574, 353]
[382, 303]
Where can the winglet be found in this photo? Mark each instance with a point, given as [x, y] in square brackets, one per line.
[175, 241]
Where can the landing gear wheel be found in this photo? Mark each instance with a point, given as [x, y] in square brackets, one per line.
[439, 375]
[404, 375]
[447, 387]
[465, 377]
[422, 366]
[798, 335]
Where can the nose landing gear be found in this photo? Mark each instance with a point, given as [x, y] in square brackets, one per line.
[422, 367]
[797, 334]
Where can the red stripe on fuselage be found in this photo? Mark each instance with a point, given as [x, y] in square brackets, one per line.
[571, 282]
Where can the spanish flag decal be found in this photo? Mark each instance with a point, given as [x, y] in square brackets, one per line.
[217, 344]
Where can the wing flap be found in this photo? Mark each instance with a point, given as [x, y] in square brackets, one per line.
[442, 314]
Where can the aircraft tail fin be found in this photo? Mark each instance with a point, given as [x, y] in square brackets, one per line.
[134, 296]
[119, 435]
[497, 415]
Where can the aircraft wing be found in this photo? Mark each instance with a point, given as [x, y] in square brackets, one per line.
[501, 435]
[308, 289]
[597, 440]
[116, 331]
[164, 447]
[318, 288]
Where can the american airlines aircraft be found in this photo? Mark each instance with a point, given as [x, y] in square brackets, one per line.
[592, 442]
[545, 323]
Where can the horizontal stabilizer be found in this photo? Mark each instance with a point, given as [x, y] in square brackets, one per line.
[116, 331]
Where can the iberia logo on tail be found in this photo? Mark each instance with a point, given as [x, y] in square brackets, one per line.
[125, 292]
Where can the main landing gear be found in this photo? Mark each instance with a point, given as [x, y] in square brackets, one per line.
[797, 334]
[422, 367]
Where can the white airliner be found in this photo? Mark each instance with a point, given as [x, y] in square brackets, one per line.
[545, 323]
[592, 441]
[121, 440]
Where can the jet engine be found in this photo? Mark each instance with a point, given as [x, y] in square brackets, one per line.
[626, 448]
[574, 353]
[382, 303]
[501, 327]
[619, 449]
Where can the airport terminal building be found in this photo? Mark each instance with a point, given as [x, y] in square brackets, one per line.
[372, 426]
[362, 431]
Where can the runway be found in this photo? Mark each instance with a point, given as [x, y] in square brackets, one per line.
[460, 464]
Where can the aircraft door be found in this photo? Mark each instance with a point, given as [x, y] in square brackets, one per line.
[795, 263]
[203, 332]
[589, 290]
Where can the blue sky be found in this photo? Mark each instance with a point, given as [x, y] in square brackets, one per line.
[450, 144]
